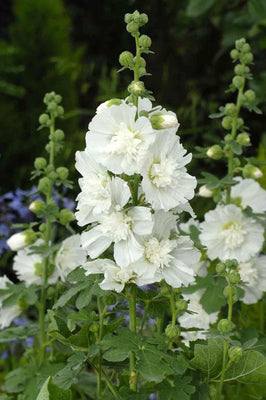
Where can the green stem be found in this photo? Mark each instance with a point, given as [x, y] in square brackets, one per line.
[262, 316]
[99, 370]
[144, 316]
[133, 327]
[110, 385]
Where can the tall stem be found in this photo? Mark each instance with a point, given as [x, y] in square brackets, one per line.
[99, 370]
[132, 326]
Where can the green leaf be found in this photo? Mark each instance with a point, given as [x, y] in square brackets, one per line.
[251, 368]
[18, 332]
[67, 296]
[208, 358]
[198, 7]
[69, 374]
[177, 389]
[15, 380]
[50, 391]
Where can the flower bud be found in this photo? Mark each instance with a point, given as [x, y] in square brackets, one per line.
[58, 98]
[58, 135]
[126, 58]
[225, 326]
[240, 69]
[234, 277]
[52, 106]
[22, 239]
[230, 109]
[247, 58]
[132, 27]
[164, 121]
[135, 16]
[235, 353]
[62, 172]
[220, 268]
[37, 206]
[215, 152]
[240, 43]
[136, 88]
[142, 71]
[60, 110]
[238, 81]
[40, 163]
[243, 139]
[250, 95]
[42, 227]
[234, 54]
[142, 61]
[128, 18]
[250, 171]
[228, 138]
[172, 332]
[94, 327]
[239, 122]
[43, 119]
[66, 216]
[227, 122]
[110, 299]
[145, 41]
[231, 264]
[143, 19]
[44, 185]
[246, 48]
[205, 192]
[181, 305]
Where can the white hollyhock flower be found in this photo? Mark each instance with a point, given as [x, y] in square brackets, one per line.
[69, 256]
[115, 277]
[20, 240]
[95, 196]
[170, 259]
[253, 273]
[205, 192]
[228, 233]
[7, 314]
[166, 183]
[119, 226]
[248, 192]
[120, 142]
[29, 267]
[199, 319]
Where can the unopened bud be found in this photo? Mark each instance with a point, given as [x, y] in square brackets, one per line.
[231, 264]
[243, 139]
[143, 19]
[94, 327]
[227, 122]
[234, 54]
[238, 81]
[181, 305]
[66, 216]
[240, 69]
[40, 163]
[58, 135]
[145, 41]
[22, 239]
[230, 109]
[250, 95]
[250, 171]
[44, 185]
[225, 326]
[234, 277]
[235, 353]
[126, 58]
[220, 268]
[164, 121]
[215, 152]
[43, 119]
[58, 98]
[246, 48]
[247, 58]
[172, 332]
[132, 27]
[240, 43]
[205, 192]
[37, 206]
[62, 172]
[136, 88]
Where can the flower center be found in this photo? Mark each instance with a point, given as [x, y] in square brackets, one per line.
[233, 234]
[248, 273]
[158, 252]
[126, 142]
[118, 225]
[123, 275]
[163, 172]
[97, 187]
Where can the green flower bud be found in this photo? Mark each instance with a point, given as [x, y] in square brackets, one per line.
[126, 58]
[128, 18]
[250, 171]
[52, 106]
[43, 119]
[234, 277]
[110, 299]
[243, 139]
[250, 95]
[230, 109]
[228, 138]
[227, 123]
[239, 122]
[132, 27]
[231, 264]
[37, 206]
[225, 326]
[142, 61]
[136, 88]
[136, 16]
[114, 102]
[235, 353]
[238, 81]
[240, 69]
[215, 152]
[236, 162]
[44, 185]
[143, 19]
[240, 43]
[220, 268]
[247, 69]
[66, 216]
[51, 291]
[142, 71]
[58, 98]
[42, 227]
[60, 110]
[234, 54]
[145, 41]
[247, 58]
[94, 327]
[58, 135]
[62, 172]
[40, 163]
[181, 305]
[163, 121]
[245, 48]
[52, 175]
[172, 332]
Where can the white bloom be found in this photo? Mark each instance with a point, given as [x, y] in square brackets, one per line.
[170, 259]
[199, 319]
[69, 256]
[205, 192]
[7, 314]
[115, 277]
[119, 226]
[166, 183]
[28, 267]
[95, 196]
[228, 233]
[253, 273]
[184, 207]
[17, 241]
[249, 193]
[120, 142]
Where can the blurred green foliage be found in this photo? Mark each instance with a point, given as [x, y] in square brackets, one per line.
[72, 47]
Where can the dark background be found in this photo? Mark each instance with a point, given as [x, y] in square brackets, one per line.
[72, 47]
